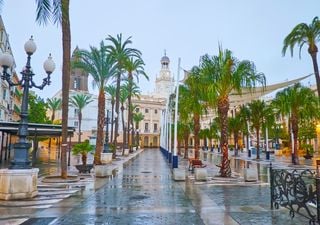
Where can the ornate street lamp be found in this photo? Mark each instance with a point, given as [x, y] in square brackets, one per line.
[106, 141]
[21, 148]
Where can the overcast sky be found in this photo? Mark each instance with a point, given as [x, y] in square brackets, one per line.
[251, 29]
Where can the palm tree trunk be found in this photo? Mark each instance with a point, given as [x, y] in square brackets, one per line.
[223, 107]
[316, 70]
[66, 48]
[116, 126]
[79, 118]
[130, 110]
[112, 116]
[186, 153]
[258, 142]
[123, 130]
[100, 126]
[196, 120]
[295, 129]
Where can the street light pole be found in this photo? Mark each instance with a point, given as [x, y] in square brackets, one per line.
[106, 141]
[21, 148]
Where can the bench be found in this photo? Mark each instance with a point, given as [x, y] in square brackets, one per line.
[195, 163]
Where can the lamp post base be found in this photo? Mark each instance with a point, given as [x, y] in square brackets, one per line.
[21, 156]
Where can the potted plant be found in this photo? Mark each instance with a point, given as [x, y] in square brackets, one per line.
[83, 148]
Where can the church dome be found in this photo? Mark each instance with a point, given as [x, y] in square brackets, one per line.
[165, 59]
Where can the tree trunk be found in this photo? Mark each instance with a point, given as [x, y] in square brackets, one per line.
[116, 125]
[112, 117]
[295, 129]
[66, 48]
[123, 130]
[196, 120]
[223, 107]
[258, 142]
[100, 126]
[316, 69]
[130, 78]
[79, 128]
[186, 152]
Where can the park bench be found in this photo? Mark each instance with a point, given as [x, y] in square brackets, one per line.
[195, 163]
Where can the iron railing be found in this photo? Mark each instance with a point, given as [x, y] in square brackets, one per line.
[298, 190]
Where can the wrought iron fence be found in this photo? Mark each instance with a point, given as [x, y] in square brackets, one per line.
[298, 190]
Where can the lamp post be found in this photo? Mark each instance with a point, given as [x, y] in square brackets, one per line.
[106, 141]
[21, 148]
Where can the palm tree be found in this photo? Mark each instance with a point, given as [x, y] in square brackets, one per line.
[111, 91]
[244, 114]
[80, 101]
[235, 126]
[299, 103]
[58, 11]
[99, 64]
[54, 104]
[257, 112]
[305, 34]
[225, 75]
[124, 93]
[135, 67]
[120, 53]
[137, 118]
[191, 102]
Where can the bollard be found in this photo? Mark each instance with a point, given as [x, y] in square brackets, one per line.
[267, 155]
[249, 153]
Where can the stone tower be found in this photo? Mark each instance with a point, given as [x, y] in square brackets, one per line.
[78, 78]
[164, 82]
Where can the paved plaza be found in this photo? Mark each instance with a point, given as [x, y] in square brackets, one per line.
[143, 192]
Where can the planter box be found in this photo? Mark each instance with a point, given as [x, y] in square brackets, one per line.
[200, 173]
[126, 152]
[179, 174]
[84, 168]
[102, 170]
[250, 174]
[18, 183]
[106, 158]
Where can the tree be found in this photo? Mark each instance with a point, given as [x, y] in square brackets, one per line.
[235, 126]
[98, 63]
[58, 11]
[80, 101]
[54, 104]
[135, 67]
[137, 118]
[37, 110]
[299, 103]
[257, 112]
[120, 53]
[191, 102]
[111, 91]
[123, 98]
[309, 35]
[224, 75]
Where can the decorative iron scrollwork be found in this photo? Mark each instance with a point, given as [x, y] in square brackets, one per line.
[296, 190]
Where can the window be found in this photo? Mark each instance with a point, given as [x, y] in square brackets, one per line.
[155, 111]
[146, 110]
[137, 109]
[146, 127]
[155, 127]
[75, 112]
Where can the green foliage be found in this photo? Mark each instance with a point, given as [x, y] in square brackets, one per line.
[37, 110]
[82, 148]
[309, 149]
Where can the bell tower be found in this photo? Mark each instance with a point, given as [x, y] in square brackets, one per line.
[78, 78]
[164, 82]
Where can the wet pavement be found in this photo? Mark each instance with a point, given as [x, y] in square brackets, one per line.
[143, 192]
